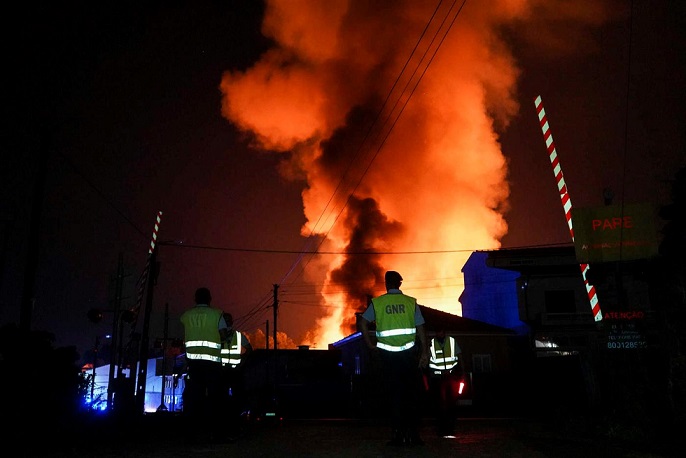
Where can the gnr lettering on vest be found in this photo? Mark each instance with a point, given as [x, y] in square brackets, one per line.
[395, 308]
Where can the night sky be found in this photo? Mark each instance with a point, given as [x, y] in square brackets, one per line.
[131, 110]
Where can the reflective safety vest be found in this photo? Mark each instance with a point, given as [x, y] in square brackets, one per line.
[202, 339]
[231, 352]
[443, 357]
[395, 325]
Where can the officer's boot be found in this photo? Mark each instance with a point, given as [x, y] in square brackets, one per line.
[413, 437]
[397, 438]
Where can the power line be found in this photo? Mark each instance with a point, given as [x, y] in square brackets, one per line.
[357, 253]
[101, 194]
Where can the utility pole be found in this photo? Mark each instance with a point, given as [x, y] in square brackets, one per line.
[162, 407]
[7, 218]
[32, 255]
[95, 362]
[276, 308]
[115, 329]
[276, 356]
[151, 271]
[145, 339]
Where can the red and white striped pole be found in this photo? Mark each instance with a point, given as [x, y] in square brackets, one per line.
[144, 342]
[155, 231]
[146, 271]
[566, 200]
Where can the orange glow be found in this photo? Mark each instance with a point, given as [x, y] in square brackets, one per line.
[433, 183]
[258, 340]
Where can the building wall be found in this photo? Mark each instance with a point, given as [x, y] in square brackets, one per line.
[173, 388]
[490, 294]
[545, 299]
[296, 383]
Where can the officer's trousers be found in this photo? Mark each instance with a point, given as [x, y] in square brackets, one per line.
[402, 385]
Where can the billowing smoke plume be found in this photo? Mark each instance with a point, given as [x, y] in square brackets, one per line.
[389, 111]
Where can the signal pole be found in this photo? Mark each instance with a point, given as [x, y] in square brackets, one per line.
[162, 407]
[145, 339]
[276, 356]
[276, 308]
[27, 297]
[150, 278]
[115, 331]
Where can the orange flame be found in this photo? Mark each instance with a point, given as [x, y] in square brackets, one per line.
[330, 95]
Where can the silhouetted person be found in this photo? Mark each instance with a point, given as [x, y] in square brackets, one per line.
[445, 374]
[235, 348]
[204, 330]
[399, 324]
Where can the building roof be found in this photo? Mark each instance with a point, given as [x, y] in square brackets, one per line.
[457, 325]
[553, 259]
[452, 324]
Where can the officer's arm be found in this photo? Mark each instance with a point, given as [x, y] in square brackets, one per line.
[364, 329]
[223, 329]
[424, 355]
[247, 347]
[460, 361]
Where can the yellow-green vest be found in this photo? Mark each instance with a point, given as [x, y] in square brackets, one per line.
[395, 325]
[231, 351]
[202, 339]
[443, 357]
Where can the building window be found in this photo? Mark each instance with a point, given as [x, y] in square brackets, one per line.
[481, 363]
[560, 302]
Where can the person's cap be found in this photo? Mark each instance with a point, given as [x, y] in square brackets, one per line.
[393, 277]
[203, 296]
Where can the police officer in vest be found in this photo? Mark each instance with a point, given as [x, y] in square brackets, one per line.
[446, 372]
[204, 330]
[402, 348]
[234, 350]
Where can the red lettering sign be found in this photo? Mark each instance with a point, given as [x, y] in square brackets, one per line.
[632, 315]
[612, 223]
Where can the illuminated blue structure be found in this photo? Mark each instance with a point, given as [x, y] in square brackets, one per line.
[173, 389]
[490, 294]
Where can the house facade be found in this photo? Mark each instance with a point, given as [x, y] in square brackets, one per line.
[575, 355]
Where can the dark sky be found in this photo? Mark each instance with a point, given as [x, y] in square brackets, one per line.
[122, 106]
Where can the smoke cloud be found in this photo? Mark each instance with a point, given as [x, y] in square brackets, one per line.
[389, 112]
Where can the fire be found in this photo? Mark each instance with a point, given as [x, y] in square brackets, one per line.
[391, 115]
[258, 339]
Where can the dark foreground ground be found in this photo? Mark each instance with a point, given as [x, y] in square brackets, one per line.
[163, 435]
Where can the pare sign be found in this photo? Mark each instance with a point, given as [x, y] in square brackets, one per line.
[613, 223]
[614, 233]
